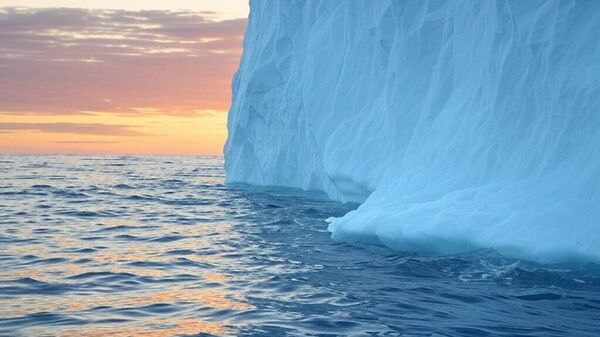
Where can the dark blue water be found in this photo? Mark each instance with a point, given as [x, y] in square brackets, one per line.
[159, 246]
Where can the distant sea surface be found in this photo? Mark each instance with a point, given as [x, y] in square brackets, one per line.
[160, 246]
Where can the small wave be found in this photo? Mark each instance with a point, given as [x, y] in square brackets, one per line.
[70, 194]
[173, 181]
[167, 238]
[182, 261]
[180, 252]
[41, 186]
[159, 309]
[129, 237]
[186, 202]
[38, 318]
[45, 230]
[116, 228]
[87, 214]
[53, 260]
[102, 275]
[30, 286]
[27, 177]
[24, 192]
[83, 250]
[123, 186]
[137, 197]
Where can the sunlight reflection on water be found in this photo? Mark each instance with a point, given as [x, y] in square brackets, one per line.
[159, 246]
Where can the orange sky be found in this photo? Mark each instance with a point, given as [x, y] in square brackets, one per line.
[122, 81]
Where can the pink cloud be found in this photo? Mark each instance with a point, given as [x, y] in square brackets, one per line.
[73, 128]
[68, 61]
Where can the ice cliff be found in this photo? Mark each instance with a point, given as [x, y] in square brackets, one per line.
[458, 124]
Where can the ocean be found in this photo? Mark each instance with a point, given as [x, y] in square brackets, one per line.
[161, 246]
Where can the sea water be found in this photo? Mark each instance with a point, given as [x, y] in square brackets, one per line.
[160, 246]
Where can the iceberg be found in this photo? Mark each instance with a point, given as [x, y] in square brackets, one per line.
[457, 125]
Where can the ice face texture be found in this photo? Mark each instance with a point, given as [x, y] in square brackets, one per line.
[458, 124]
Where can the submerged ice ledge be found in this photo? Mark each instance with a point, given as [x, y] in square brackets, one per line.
[459, 124]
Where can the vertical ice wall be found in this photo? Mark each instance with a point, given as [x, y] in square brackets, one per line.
[460, 124]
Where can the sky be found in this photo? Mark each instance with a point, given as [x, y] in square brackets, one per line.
[117, 77]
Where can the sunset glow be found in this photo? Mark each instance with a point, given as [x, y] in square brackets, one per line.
[117, 81]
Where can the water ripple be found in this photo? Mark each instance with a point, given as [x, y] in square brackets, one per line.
[160, 246]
